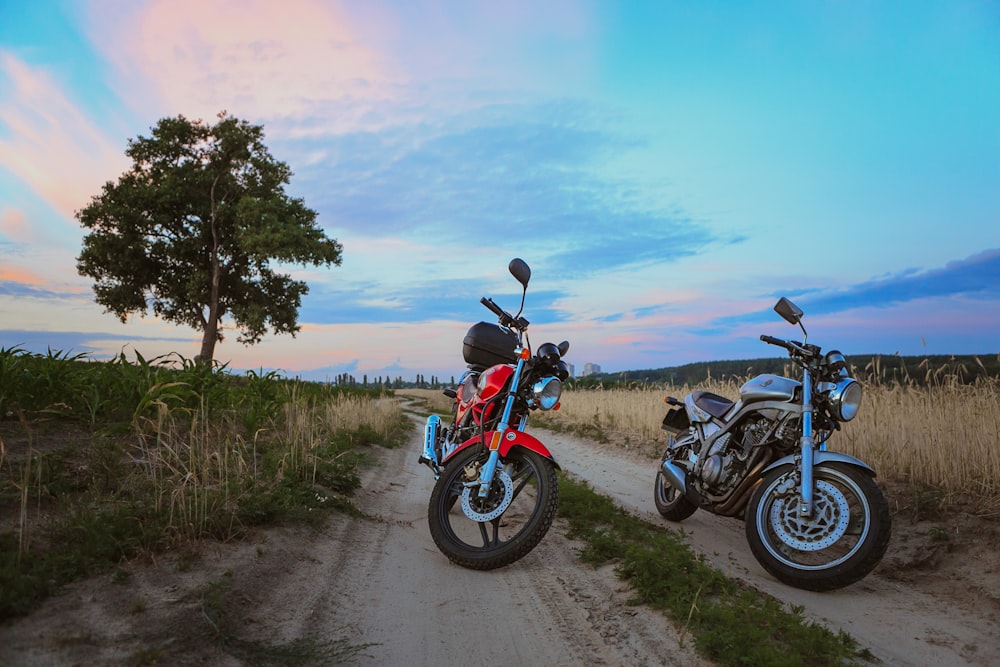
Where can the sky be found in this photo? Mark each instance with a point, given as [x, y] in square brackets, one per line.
[668, 170]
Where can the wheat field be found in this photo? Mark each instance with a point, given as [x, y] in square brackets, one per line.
[943, 436]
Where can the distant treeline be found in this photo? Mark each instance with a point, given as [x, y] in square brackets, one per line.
[913, 370]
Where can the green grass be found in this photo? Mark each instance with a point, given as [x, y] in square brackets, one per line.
[729, 623]
[104, 461]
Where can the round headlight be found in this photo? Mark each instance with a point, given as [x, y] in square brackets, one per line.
[547, 392]
[845, 400]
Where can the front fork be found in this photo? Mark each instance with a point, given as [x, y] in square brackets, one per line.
[429, 456]
[807, 449]
[490, 467]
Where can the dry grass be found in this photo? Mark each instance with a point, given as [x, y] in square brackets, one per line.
[432, 399]
[943, 436]
[200, 466]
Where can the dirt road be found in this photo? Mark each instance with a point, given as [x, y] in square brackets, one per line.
[383, 587]
[948, 616]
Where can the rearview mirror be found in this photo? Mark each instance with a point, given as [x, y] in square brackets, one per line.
[788, 310]
[520, 270]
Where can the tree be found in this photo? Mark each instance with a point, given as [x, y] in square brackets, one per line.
[192, 228]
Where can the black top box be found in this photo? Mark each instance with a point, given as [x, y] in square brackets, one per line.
[487, 345]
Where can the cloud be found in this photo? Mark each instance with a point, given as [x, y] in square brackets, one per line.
[18, 280]
[527, 172]
[976, 277]
[49, 143]
[256, 58]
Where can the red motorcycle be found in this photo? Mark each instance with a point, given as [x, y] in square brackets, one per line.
[496, 492]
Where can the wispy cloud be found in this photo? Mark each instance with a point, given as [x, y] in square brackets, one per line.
[974, 277]
[258, 59]
[48, 142]
[517, 171]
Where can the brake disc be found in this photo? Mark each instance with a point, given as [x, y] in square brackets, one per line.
[828, 523]
[495, 504]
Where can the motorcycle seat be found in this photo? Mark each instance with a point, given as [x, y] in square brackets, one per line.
[713, 404]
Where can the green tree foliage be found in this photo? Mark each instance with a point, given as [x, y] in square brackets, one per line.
[192, 228]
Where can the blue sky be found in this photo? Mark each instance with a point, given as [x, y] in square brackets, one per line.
[668, 170]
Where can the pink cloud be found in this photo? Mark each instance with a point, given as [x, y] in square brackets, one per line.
[14, 226]
[340, 65]
[255, 58]
[18, 274]
[52, 146]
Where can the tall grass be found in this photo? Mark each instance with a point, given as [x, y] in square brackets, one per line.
[934, 431]
[943, 436]
[100, 461]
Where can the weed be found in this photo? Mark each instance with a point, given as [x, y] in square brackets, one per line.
[939, 534]
[730, 624]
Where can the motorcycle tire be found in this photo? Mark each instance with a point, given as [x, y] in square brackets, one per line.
[840, 544]
[519, 527]
[670, 502]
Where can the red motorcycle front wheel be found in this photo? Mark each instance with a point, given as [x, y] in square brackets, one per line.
[491, 532]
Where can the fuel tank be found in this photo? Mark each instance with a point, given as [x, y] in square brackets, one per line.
[769, 388]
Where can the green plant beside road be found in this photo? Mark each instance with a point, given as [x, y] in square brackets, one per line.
[103, 461]
[730, 624]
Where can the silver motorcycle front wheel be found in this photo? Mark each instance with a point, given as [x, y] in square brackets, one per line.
[843, 540]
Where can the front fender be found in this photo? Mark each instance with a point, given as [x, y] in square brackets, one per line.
[510, 440]
[819, 458]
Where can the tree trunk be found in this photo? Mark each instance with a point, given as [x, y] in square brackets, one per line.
[210, 335]
[208, 341]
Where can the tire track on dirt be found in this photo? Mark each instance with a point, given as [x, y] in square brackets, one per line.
[400, 594]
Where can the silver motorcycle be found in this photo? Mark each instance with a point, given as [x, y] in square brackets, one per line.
[815, 519]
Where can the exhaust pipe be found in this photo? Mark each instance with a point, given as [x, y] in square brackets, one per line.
[429, 456]
[675, 475]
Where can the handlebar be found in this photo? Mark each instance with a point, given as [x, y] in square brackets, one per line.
[505, 318]
[801, 350]
[771, 340]
[497, 310]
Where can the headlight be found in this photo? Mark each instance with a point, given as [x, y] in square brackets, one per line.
[547, 392]
[835, 360]
[845, 400]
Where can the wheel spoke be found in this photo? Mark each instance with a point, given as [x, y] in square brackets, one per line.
[488, 540]
[485, 534]
[523, 476]
[495, 529]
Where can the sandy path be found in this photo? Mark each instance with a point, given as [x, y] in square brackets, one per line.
[403, 596]
[382, 584]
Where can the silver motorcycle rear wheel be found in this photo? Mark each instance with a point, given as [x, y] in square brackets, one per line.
[843, 540]
[671, 503]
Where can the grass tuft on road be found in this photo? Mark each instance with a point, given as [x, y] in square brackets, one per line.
[729, 623]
